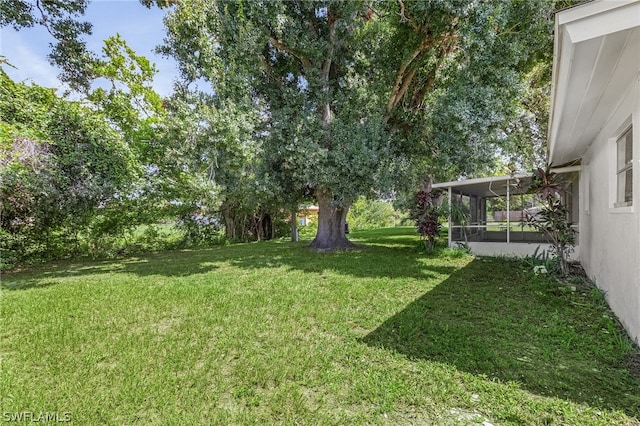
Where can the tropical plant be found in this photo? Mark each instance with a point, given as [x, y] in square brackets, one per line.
[460, 216]
[554, 218]
[426, 214]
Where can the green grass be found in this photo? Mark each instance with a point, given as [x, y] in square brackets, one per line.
[270, 333]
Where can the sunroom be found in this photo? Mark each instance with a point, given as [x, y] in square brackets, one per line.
[492, 215]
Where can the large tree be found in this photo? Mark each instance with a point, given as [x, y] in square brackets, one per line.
[293, 86]
[347, 88]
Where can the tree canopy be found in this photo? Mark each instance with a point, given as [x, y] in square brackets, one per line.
[282, 102]
[349, 91]
[59, 162]
[64, 21]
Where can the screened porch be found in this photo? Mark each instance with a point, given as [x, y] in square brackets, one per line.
[491, 215]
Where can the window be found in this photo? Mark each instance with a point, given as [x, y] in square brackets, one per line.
[624, 167]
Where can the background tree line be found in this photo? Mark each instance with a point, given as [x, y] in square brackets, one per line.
[302, 101]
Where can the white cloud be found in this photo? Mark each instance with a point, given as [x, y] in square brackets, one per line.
[142, 28]
[24, 50]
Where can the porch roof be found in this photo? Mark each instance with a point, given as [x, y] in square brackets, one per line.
[496, 186]
[493, 186]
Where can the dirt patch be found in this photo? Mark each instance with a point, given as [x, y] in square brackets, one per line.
[632, 363]
[576, 270]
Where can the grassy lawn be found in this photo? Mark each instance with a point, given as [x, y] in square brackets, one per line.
[269, 333]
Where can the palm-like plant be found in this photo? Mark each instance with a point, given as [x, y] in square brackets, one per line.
[426, 215]
[553, 219]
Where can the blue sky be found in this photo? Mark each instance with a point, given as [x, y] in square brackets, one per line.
[142, 28]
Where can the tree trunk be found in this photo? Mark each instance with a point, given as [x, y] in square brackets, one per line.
[331, 225]
[230, 228]
[267, 226]
[229, 222]
[258, 234]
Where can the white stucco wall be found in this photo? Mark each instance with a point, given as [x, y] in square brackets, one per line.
[609, 236]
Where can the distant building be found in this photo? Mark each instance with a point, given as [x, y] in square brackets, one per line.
[307, 214]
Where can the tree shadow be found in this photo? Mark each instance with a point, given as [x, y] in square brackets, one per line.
[489, 318]
[550, 340]
[371, 260]
[168, 264]
[384, 253]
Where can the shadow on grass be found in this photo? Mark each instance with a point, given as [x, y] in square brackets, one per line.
[170, 264]
[387, 253]
[492, 320]
[489, 318]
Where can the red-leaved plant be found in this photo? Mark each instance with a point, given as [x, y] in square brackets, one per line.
[554, 218]
[426, 215]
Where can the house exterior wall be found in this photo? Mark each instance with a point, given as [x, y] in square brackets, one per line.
[610, 236]
[307, 215]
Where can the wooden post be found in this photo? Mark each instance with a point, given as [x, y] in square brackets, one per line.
[508, 211]
[450, 221]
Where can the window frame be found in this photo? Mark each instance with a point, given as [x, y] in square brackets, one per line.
[625, 137]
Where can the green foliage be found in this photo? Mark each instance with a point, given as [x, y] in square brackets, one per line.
[553, 219]
[220, 159]
[130, 103]
[340, 152]
[308, 230]
[541, 262]
[200, 230]
[62, 19]
[480, 74]
[524, 140]
[60, 163]
[369, 214]
[455, 252]
[351, 97]
[301, 99]
[132, 241]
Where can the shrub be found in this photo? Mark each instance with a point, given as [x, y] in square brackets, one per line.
[553, 219]
[370, 214]
[426, 214]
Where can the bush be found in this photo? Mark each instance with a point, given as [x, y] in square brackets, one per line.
[427, 213]
[310, 230]
[371, 214]
[200, 230]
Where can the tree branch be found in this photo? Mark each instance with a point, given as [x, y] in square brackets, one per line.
[43, 20]
[326, 68]
[306, 63]
[405, 18]
[407, 72]
[404, 78]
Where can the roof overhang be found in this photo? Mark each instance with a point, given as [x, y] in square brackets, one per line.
[596, 58]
